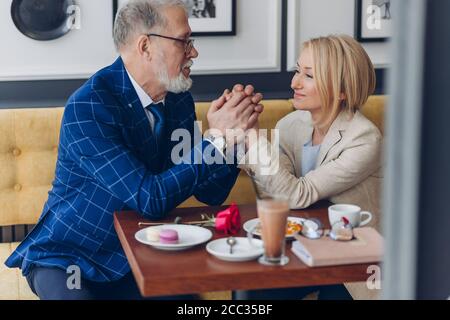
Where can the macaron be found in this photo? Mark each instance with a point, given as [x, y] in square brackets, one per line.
[152, 234]
[168, 236]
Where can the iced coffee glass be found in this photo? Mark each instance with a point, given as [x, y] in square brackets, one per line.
[272, 214]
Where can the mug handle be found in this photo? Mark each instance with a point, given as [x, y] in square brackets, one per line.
[367, 220]
[250, 235]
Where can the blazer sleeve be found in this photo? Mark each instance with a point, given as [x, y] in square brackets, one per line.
[216, 189]
[94, 141]
[356, 162]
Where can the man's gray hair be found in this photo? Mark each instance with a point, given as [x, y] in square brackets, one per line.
[140, 17]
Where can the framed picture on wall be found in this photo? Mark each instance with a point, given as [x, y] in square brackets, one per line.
[373, 20]
[206, 17]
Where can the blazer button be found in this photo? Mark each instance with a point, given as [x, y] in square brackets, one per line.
[17, 187]
[16, 152]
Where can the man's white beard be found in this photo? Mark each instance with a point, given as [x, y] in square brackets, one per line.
[176, 85]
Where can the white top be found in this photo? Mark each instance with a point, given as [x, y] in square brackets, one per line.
[309, 157]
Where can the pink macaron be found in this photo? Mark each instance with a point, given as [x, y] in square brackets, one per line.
[168, 236]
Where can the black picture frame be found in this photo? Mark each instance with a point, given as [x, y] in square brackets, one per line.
[115, 8]
[361, 17]
[200, 33]
[230, 32]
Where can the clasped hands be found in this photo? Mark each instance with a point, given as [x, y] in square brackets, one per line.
[234, 113]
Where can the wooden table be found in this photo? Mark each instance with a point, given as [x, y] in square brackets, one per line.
[160, 273]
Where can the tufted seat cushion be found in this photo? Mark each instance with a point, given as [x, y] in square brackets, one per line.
[13, 285]
[28, 151]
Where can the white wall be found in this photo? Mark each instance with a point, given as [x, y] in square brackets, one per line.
[76, 55]
[312, 18]
[255, 48]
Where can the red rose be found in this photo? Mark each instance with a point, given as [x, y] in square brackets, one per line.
[228, 221]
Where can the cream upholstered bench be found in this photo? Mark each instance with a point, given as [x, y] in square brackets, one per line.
[28, 151]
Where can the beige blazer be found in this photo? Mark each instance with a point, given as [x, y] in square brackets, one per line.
[348, 168]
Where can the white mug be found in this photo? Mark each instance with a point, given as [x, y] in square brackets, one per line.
[351, 212]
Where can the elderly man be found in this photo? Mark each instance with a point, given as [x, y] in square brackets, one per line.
[115, 154]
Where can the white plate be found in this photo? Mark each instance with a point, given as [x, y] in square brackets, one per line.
[250, 224]
[188, 236]
[242, 250]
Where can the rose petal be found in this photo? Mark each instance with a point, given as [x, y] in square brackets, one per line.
[228, 220]
[223, 224]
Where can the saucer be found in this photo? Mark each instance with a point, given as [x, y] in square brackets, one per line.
[242, 250]
[188, 237]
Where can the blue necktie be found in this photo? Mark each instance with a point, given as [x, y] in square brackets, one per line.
[159, 126]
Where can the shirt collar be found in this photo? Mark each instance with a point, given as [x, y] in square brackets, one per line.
[145, 99]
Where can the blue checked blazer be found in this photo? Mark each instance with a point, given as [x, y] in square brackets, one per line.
[107, 162]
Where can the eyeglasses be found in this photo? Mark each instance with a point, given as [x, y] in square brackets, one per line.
[188, 43]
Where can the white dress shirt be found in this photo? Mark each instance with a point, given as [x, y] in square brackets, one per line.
[145, 99]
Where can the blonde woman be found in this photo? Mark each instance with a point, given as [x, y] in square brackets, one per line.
[328, 149]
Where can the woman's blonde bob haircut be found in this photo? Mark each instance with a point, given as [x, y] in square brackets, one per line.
[344, 74]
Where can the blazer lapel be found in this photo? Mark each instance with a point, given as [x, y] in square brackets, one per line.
[333, 136]
[140, 126]
[126, 94]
